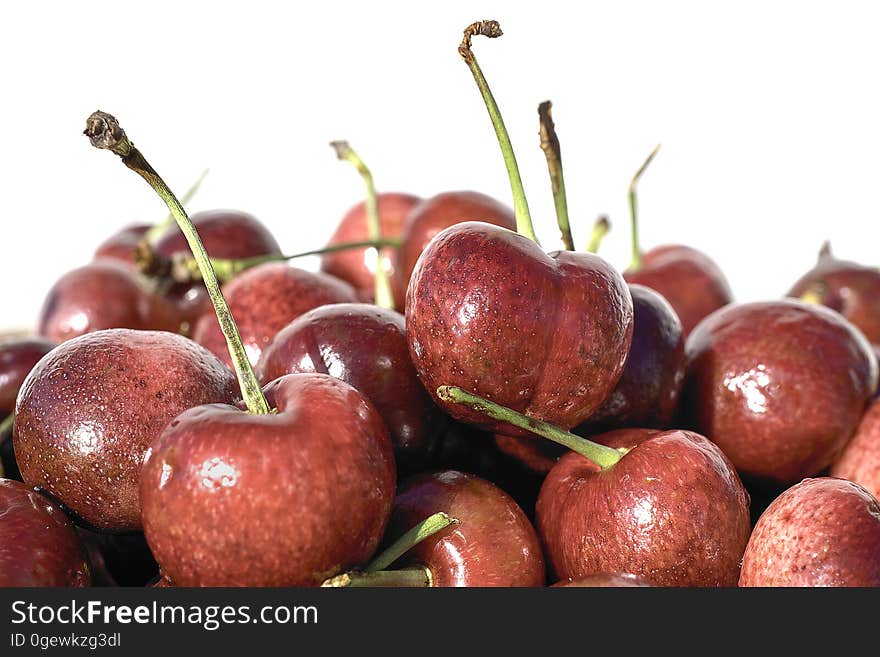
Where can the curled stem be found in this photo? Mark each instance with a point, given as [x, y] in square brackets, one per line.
[104, 132]
[492, 30]
[384, 296]
[152, 236]
[636, 261]
[602, 456]
[553, 153]
[600, 230]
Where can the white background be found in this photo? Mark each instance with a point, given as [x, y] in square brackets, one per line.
[767, 113]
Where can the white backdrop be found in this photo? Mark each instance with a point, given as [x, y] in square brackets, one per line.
[767, 112]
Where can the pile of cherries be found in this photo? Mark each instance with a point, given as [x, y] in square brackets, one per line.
[445, 403]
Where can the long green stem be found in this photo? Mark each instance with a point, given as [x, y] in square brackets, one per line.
[152, 236]
[418, 577]
[553, 153]
[600, 230]
[428, 527]
[104, 131]
[384, 296]
[183, 268]
[492, 30]
[601, 455]
[636, 261]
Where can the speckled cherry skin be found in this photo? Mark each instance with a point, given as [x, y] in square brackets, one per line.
[648, 392]
[494, 544]
[265, 299]
[779, 385]
[673, 510]
[123, 244]
[544, 334]
[859, 461]
[17, 358]
[89, 410]
[366, 347]
[38, 544]
[433, 215]
[103, 294]
[604, 580]
[354, 266]
[822, 531]
[688, 279]
[851, 289]
[287, 499]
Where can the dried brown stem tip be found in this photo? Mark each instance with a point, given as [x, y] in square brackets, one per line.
[547, 130]
[489, 29]
[825, 251]
[342, 148]
[104, 131]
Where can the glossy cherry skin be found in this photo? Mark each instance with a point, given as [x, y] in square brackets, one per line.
[103, 294]
[38, 544]
[544, 334]
[366, 347]
[123, 244]
[88, 411]
[780, 386]
[288, 499]
[358, 266]
[604, 580]
[433, 215]
[17, 358]
[851, 289]
[493, 544]
[859, 461]
[648, 392]
[264, 300]
[688, 279]
[672, 511]
[820, 532]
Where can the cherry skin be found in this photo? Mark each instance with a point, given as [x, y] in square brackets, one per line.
[366, 347]
[17, 358]
[38, 544]
[672, 511]
[544, 334]
[357, 266]
[604, 580]
[688, 279]
[103, 294]
[780, 386]
[123, 244]
[851, 289]
[859, 461]
[820, 532]
[264, 300]
[433, 215]
[89, 410]
[493, 544]
[287, 499]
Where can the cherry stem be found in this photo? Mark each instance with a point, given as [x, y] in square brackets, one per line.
[428, 527]
[602, 456]
[825, 250]
[419, 577]
[104, 132]
[384, 296]
[550, 146]
[183, 268]
[600, 230]
[157, 230]
[492, 30]
[636, 261]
